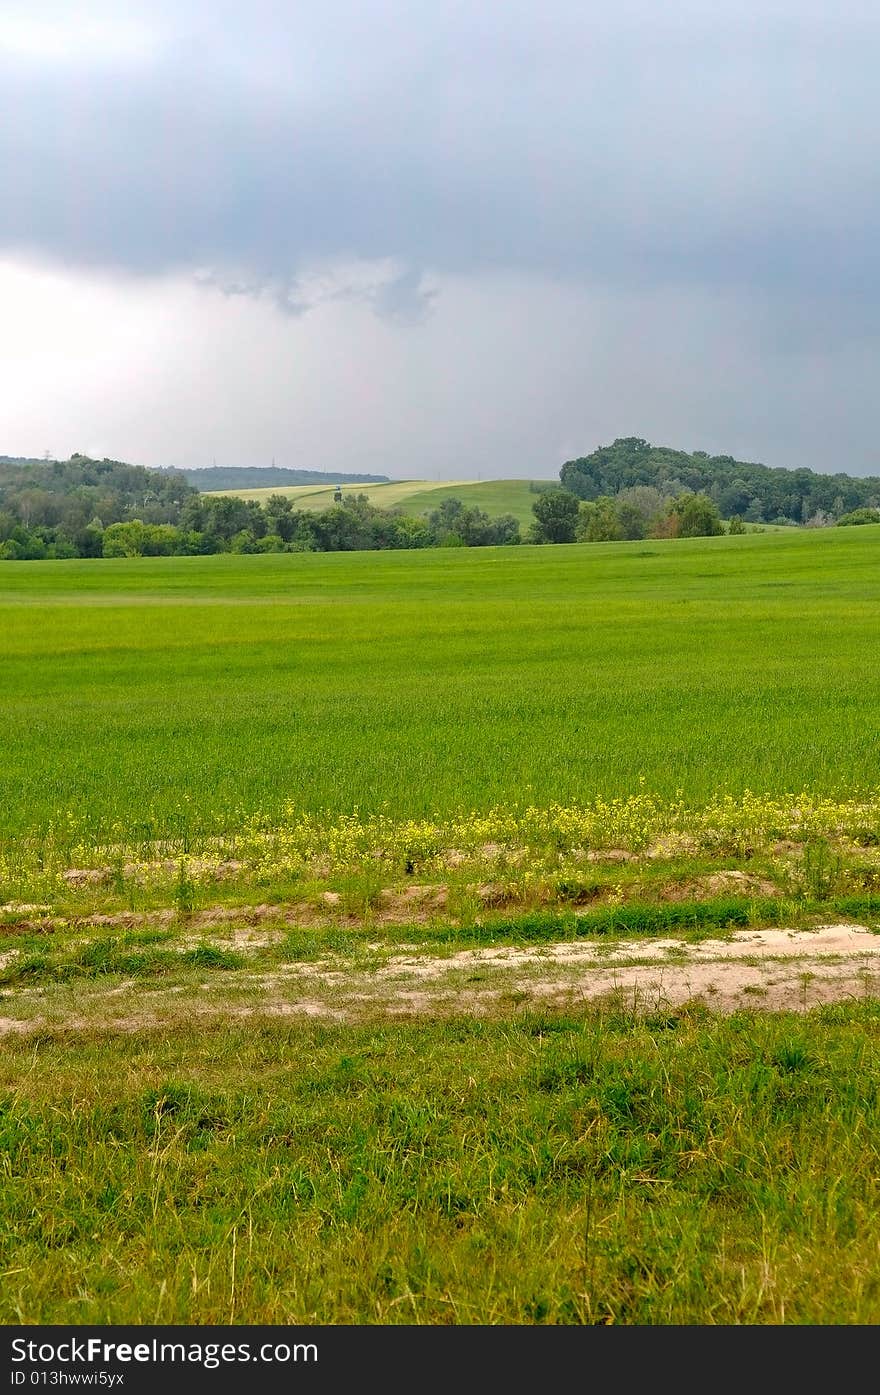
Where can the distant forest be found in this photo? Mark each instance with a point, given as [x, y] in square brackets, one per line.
[753, 493]
[106, 508]
[214, 477]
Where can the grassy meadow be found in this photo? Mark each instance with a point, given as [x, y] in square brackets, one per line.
[429, 683]
[365, 921]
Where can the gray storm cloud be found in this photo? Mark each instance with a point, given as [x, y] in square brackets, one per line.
[584, 219]
[605, 143]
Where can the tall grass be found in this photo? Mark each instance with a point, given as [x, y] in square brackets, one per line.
[594, 1169]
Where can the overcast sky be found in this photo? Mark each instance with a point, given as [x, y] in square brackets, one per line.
[439, 238]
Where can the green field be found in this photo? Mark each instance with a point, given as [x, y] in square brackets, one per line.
[381, 935]
[494, 497]
[425, 683]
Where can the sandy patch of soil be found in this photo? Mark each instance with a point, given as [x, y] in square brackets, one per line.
[413, 904]
[139, 871]
[769, 970]
[745, 945]
[730, 883]
[86, 876]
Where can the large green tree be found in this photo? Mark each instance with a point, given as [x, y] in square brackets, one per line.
[556, 515]
[697, 516]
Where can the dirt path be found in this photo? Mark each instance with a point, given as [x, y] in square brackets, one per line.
[771, 969]
[768, 970]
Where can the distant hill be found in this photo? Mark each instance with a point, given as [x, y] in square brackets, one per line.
[215, 478]
[419, 497]
[756, 493]
[52, 491]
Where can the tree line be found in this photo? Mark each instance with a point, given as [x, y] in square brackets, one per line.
[105, 508]
[739, 489]
[639, 512]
